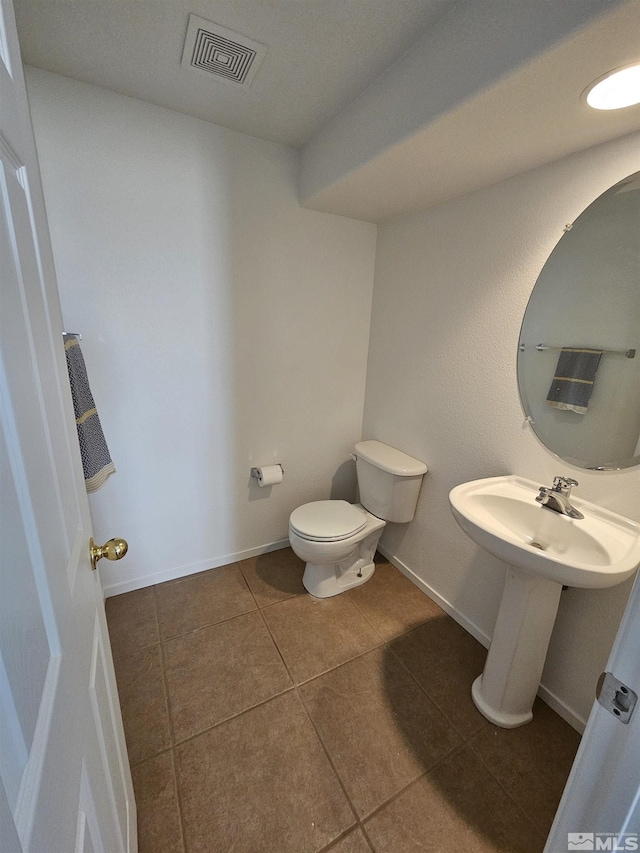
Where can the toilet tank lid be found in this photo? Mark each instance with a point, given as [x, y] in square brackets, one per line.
[389, 459]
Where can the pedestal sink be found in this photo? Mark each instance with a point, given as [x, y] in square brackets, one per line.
[544, 550]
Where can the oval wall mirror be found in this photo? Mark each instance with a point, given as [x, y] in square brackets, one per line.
[579, 349]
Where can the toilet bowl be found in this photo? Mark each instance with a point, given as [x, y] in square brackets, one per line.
[338, 540]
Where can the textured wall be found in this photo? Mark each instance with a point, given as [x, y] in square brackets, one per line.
[226, 327]
[451, 287]
[223, 326]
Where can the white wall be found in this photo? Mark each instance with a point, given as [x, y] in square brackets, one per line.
[223, 326]
[451, 287]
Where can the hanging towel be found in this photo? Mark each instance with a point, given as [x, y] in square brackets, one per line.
[573, 381]
[96, 460]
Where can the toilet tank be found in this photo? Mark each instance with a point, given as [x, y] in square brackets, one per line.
[389, 480]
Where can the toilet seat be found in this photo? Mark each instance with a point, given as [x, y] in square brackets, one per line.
[327, 521]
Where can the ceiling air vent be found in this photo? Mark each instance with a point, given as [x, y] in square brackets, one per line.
[215, 50]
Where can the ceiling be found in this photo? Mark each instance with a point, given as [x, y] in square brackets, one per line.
[520, 116]
[320, 54]
[395, 104]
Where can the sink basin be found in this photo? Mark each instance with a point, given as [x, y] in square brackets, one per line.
[544, 550]
[501, 515]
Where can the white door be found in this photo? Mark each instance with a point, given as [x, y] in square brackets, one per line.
[65, 784]
[600, 806]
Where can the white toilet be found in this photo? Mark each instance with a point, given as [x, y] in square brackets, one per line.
[336, 539]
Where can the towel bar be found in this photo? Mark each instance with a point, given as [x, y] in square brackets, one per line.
[629, 353]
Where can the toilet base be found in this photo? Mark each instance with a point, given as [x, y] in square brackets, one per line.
[323, 580]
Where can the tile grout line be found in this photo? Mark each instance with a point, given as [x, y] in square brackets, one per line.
[386, 645]
[208, 625]
[257, 704]
[277, 647]
[294, 689]
[150, 758]
[468, 742]
[353, 600]
[338, 665]
[477, 754]
[427, 770]
[367, 837]
[317, 733]
[176, 782]
[413, 781]
[171, 732]
[294, 686]
[246, 583]
[258, 607]
[118, 654]
[386, 640]
[164, 675]
[176, 743]
[331, 764]
[269, 604]
[465, 739]
[219, 621]
[324, 671]
[424, 772]
[119, 657]
[339, 838]
[230, 719]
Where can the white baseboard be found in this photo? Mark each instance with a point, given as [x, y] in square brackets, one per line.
[191, 569]
[460, 618]
[562, 710]
[568, 714]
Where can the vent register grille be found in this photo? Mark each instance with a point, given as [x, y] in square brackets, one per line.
[221, 56]
[211, 49]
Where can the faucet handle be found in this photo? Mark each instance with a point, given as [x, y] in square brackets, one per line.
[564, 484]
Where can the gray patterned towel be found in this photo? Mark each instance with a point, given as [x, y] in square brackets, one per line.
[573, 382]
[96, 460]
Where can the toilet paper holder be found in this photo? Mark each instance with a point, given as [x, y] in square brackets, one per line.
[255, 472]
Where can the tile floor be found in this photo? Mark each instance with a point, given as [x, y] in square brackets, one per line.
[261, 720]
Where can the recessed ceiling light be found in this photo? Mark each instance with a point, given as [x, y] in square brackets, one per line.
[616, 89]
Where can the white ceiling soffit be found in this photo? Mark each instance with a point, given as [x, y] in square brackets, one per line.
[321, 53]
[471, 104]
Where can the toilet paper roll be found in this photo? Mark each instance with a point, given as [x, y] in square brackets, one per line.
[269, 475]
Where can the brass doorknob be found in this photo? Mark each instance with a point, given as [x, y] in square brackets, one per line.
[114, 549]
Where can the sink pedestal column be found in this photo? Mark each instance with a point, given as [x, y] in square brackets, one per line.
[505, 691]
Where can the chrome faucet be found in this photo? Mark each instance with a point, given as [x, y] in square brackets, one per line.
[557, 498]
